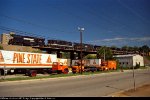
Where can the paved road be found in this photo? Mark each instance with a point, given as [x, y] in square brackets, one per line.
[76, 86]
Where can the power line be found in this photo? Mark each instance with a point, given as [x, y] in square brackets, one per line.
[106, 18]
[22, 32]
[27, 33]
[133, 11]
[77, 17]
[91, 11]
[69, 13]
[30, 23]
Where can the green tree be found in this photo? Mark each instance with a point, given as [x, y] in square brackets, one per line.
[66, 55]
[37, 51]
[1, 47]
[135, 48]
[125, 49]
[105, 53]
[113, 47]
[90, 56]
[144, 49]
[130, 48]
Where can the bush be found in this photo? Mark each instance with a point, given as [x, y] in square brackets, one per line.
[137, 66]
[1, 47]
[37, 51]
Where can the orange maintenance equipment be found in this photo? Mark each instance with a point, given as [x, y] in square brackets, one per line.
[76, 68]
[59, 67]
[108, 65]
[112, 65]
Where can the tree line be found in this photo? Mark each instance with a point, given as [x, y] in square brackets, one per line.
[107, 54]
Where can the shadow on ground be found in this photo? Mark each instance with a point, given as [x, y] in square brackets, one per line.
[143, 91]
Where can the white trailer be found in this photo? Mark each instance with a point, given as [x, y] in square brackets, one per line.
[13, 61]
[88, 62]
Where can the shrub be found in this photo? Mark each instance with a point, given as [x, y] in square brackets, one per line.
[1, 47]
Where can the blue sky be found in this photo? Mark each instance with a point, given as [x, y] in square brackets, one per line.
[106, 22]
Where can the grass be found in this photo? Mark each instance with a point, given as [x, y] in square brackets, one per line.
[53, 76]
[30, 78]
[148, 57]
[142, 67]
[58, 75]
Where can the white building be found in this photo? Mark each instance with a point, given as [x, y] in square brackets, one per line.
[130, 60]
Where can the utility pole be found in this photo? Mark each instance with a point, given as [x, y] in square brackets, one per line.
[4, 72]
[81, 30]
[104, 54]
[134, 79]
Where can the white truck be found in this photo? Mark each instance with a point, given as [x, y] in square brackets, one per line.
[13, 62]
[88, 65]
[88, 62]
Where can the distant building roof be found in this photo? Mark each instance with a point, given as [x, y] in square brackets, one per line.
[129, 55]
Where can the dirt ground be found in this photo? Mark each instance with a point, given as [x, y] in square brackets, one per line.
[143, 91]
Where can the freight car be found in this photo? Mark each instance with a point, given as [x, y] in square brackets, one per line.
[26, 40]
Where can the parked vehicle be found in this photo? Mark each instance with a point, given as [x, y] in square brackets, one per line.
[14, 62]
[93, 64]
[90, 68]
[59, 67]
[88, 65]
[108, 65]
[76, 68]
